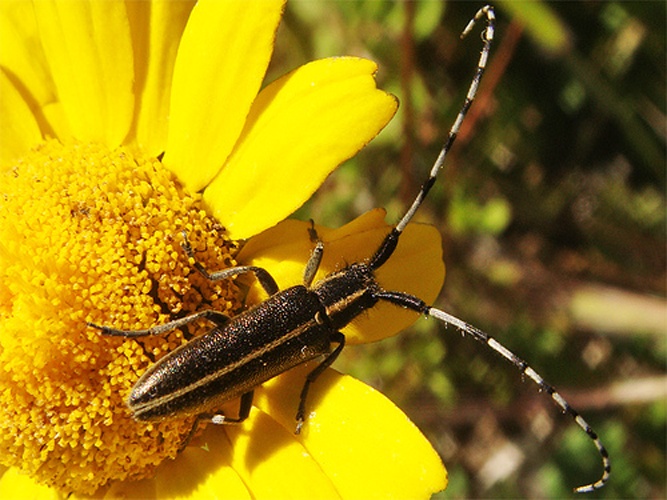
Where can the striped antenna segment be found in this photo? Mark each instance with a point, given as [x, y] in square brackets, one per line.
[526, 370]
[391, 240]
[487, 36]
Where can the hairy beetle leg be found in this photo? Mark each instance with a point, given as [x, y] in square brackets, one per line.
[312, 376]
[315, 258]
[215, 317]
[262, 275]
[220, 419]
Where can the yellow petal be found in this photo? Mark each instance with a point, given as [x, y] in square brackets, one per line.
[156, 27]
[87, 46]
[360, 439]
[416, 266]
[23, 62]
[197, 472]
[21, 53]
[15, 485]
[202, 473]
[259, 456]
[273, 463]
[299, 129]
[18, 128]
[219, 68]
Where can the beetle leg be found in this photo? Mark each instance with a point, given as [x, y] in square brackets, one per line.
[219, 418]
[312, 376]
[214, 316]
[313, 263]
[244, 411]
[262, 275]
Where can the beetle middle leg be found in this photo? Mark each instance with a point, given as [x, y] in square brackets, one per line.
[312, 376]
[215, 317]
[263, 276]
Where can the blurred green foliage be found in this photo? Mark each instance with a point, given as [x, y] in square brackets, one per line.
[554, 191]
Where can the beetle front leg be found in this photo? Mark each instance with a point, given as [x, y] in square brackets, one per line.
[312, 376]
[315, 258]
[265, 279]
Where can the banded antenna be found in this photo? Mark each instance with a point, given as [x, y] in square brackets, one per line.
[416, 304]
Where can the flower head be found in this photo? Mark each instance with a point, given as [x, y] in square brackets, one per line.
[123, 125]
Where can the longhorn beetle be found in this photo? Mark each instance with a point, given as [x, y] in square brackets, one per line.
[300, 323]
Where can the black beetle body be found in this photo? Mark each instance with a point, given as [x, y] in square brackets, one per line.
[291, 327]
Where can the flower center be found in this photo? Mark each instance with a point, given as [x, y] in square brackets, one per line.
[88, 234]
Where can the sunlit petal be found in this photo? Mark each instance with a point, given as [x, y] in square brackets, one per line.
[21, 52]
[23, 63]
[88, 48]
[299, 129]
[351, 424]
[156, 34]
[16, 485]
[219, 68]
[261, 450]
[21, 132]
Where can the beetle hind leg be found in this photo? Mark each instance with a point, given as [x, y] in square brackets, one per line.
[220, 419]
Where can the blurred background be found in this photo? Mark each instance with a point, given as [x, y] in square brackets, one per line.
[552, 211]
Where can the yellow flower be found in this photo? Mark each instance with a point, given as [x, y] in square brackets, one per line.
[97, 98]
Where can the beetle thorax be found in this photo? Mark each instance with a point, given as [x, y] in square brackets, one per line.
[347, 293]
